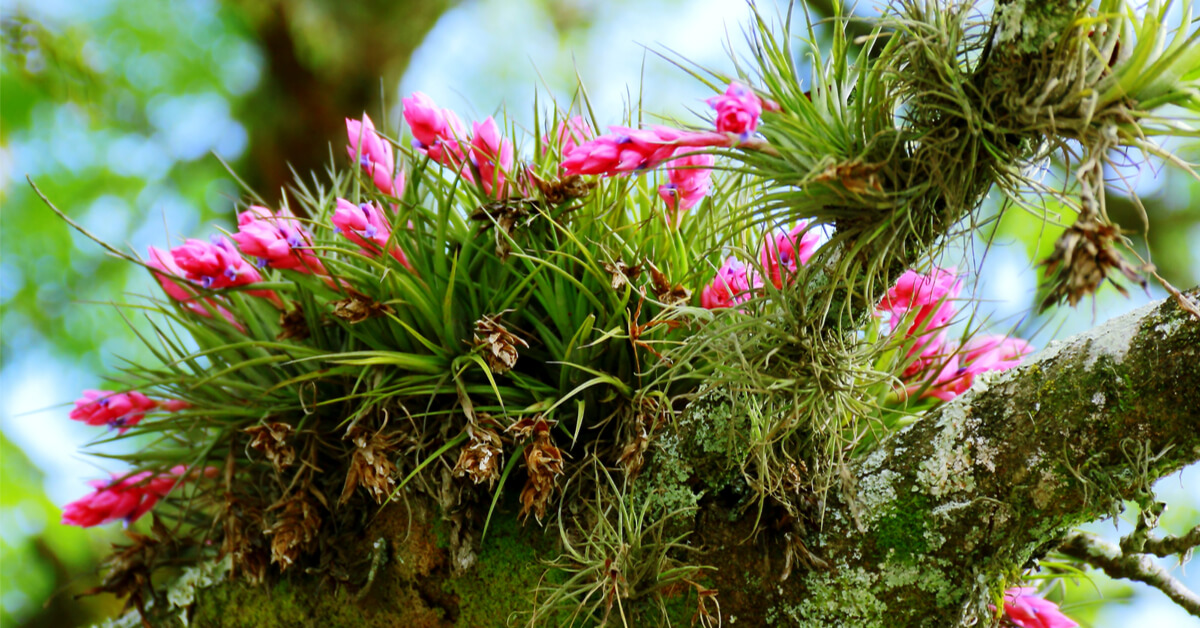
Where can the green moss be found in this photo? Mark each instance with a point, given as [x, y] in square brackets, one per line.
[498, 590]
[902, 533]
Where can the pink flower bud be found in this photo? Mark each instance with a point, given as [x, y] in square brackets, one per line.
[785, 251]
[171, 277]
[373, 153]
[216, 264]
[116, 410]
[634, 150]
[277, 240]
[366, 226]
[737, 110]
[569, 134]
[125, 498]
[493, 155]
[438, 133]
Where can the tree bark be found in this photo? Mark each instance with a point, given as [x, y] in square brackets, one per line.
[926, 531]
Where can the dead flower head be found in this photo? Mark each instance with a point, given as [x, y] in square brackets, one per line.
[557, 191]
[1083, 257]
[482, 457]
[504, 215]
[293, 324]
[622, 274]
[665, 292]
[271, 440]
[499, 345]
[370, 466]
[544, 463]
[648, 416]
[130, 566]
[294, 530]
[244, 541]
[358, 307]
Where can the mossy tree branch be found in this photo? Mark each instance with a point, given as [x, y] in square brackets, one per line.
[950, 507]
[1108, 557]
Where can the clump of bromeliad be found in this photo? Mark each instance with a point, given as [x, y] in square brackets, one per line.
[517, 310]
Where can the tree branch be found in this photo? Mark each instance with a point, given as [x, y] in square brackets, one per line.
[948, 508]
[1171, 545]
[1109, 558]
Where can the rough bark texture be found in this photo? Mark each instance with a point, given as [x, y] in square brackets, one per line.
[928, 532]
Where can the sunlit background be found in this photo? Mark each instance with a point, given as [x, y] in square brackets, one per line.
[122, 112]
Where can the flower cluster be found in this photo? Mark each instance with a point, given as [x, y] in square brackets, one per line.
[782, 253]
[126, 498]
[440, 135]
[375, 156]
[921, 306]
[118, 410]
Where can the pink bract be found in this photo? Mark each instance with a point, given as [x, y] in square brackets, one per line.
[785, 251]
[277, 240]
[738, 110]
[366, 226]
[1029, 611]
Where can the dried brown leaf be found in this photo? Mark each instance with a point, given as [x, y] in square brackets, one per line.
[272, 440]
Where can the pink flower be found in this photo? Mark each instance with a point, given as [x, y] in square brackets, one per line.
[929, 295]
[634, 150]
[374, 154]
[437, 132]
[737, 109]
[116, 410]
[493, 155]
[946, 383]
[216, 264]
[171, 277]
[689, 178]
[121, 498]
[732, 285]
[277, 240]
[993, 353]
[784, 251]
[1029, 611]
[958, 366]
[366, 226]
[569, 134]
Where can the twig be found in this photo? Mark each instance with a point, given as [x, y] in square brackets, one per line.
[1171, 545]
[1109, 558]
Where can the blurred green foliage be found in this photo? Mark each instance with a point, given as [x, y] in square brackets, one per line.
[41, 558]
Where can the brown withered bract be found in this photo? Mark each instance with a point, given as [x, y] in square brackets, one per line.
[129, 568]
[272, 441]
[293, 324]
[543, 463]
[1083, 257]
[557, 191]
[855, 176]
[622, 274]
[499, 345]
[358, 307]
[244, 541]
[665, 292]
[482, 457]
[648, 416]
[371, 466]
[294, 530]
[504, 214]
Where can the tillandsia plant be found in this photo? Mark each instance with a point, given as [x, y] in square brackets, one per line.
[606, 328]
